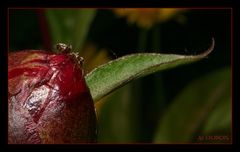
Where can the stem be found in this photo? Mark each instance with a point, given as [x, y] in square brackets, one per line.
[142, 44]
[137, 86]
[159, 92]
[156, 39]
[159, 96]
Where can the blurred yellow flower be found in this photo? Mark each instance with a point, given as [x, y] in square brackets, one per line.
[93, 57]
[147, 17]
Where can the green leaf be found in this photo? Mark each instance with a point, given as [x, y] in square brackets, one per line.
[221, 115]
[196, 104]
[70, 26]
[108, 77]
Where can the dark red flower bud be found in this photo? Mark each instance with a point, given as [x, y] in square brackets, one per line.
[48, 100]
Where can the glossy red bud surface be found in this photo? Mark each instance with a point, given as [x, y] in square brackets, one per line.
[48, 99]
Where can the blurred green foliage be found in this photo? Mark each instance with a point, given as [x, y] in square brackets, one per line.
[199, 105]
[70, 26]
[145, 110]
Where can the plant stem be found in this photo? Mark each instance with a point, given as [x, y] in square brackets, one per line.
[156, 39]
[158, 86]
[142, 42]
[159, 92]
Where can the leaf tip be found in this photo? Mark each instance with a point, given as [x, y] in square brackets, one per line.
[209, 50]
